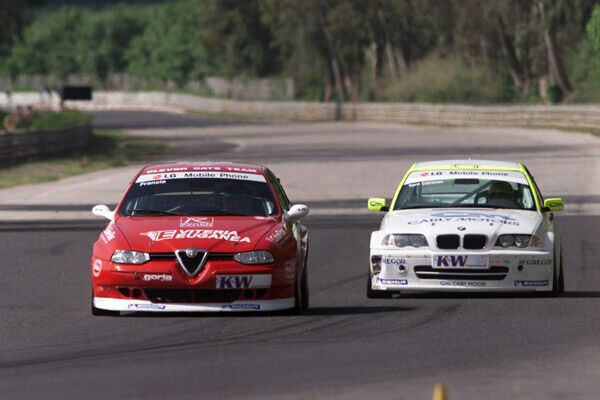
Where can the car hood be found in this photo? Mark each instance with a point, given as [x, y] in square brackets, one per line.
[436, 221]
[217, 234]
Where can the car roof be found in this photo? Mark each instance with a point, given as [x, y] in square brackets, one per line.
[204, 166]
[468, 164]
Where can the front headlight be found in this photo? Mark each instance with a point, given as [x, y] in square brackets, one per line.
[254, 257]
[129, 257]
[405, 240]
[519, 241]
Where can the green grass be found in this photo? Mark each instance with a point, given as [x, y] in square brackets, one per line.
[108, 149]
[51, 119]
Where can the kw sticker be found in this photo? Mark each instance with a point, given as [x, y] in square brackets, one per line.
[243, 281]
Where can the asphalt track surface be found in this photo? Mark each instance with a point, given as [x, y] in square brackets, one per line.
[344, 347]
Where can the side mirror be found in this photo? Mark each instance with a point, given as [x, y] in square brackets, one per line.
[296, 212]
[378, 204]
[103, 211]
[554, 204]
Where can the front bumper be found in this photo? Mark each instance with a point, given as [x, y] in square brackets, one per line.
[162, 286]
[236, 306]
[508, 271]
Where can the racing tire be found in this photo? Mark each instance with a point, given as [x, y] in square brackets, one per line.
[376, 294]
[301, 287]
[558, 287]
[99, 311]
[304, 289]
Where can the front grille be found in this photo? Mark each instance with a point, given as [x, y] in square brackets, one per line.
[448, 242]
[171, 256]
[491, 274]
[192, 295]
[474, 242]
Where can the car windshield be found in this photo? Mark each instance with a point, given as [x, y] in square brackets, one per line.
[511, 192]
[199, 196]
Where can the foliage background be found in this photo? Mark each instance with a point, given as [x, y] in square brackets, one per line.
[469, 51]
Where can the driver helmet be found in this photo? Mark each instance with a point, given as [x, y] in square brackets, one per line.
[501, 189]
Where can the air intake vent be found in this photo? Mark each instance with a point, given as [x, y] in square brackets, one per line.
[448, 242]
[474, 242]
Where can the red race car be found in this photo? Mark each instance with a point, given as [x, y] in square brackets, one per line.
[201, 237]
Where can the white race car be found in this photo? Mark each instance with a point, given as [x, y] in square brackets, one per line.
[466, 225]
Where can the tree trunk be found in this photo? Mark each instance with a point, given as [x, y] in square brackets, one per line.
[393, 63]
[509, 53]
[333, 59]
[554, 60]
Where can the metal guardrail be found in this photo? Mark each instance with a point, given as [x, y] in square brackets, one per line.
[541, 116]
[518, 115]
[23, 144]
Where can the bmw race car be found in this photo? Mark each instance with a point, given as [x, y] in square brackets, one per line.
[201, 237]
[465, 225]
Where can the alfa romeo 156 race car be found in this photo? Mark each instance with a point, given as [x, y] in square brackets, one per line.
[465, 225]
[201, 237]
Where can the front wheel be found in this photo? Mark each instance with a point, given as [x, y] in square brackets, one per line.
[300, 294]
[558, 286]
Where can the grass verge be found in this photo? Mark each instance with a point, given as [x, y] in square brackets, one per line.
[108, 149]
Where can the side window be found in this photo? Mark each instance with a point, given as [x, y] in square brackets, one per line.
[283, 199]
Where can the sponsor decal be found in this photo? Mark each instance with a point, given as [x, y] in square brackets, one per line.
[196, 222]
[97, 268]
[153, 183]
[241, 306]
[497, 261]
[508, 176]
[146, 306]
[425, 183]
[385, 281]
[531, 283]
[393, 261]
[536, 261]
[202, 168]
[201, 175]
[466, 216]
[109, 233]
[463, 283]
[243, 281]
[277, 237]
[231, 236]
[289, 269]
[149, 277]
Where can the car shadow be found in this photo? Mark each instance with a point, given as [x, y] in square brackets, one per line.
[312, 311]
[517, 295]
[581, 294]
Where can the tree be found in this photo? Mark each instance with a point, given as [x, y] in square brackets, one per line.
[106, 38]
[234, 32]
[171, 51]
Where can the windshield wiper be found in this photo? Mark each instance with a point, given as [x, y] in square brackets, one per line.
[148, 211]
